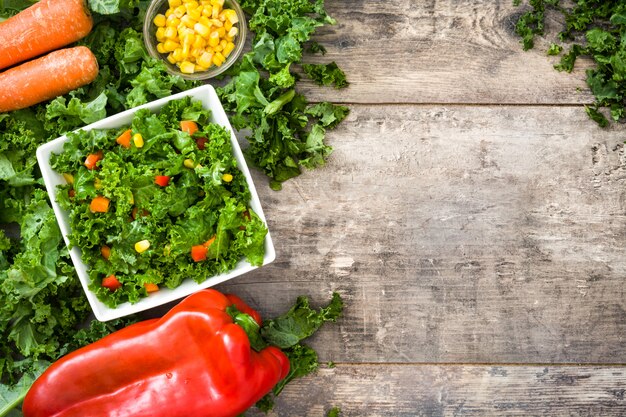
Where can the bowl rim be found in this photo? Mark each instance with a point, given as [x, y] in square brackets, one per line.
[102, 312]
[150, 42]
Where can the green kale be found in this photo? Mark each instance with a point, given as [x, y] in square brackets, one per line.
[603, 24]
[326, 74]
[334, 412]
[261, 98]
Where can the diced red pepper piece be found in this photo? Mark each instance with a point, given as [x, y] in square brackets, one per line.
[92, 159]
[199, 252]
[201, 142]
[162, 180]
[111, 282]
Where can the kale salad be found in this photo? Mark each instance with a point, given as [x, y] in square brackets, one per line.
[157, 202]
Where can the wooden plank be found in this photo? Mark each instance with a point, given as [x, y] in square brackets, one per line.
[457, 234]
[416, 390]
[464, 51]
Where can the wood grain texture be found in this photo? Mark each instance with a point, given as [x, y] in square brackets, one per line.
[466, 51]
[415, 390]
[457, 234]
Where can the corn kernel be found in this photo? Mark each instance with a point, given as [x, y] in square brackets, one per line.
[231, 15]
[170, 45]
[189, 163]
[168, 12]
[160, 48]
[196, 53]
[216, 60]
[159, 20]
[142, 246]
[221, 32]
[219, 48]
[221, 57]
[138, 140]
[215, 12]
[174, 3]
[214, 39]
[228, 25]
[160, 34]
[217, 3]
[187, 67]
[201, 29]
[180, 11]
[233, 32]
[170, 32]
[185, 52]
[69, 178]
[227, 177]
[228, 49]
[171, 59]
[97, 183]
[195, 13]
[199, 42]
[190, 5]
[177, 55]
[205, 21]
[217, 23]
[188, 38]
[188, 21]
[172, 21]
[200, 68]
[207, 12]
[205, 59]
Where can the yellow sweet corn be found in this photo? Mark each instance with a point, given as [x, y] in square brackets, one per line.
[142, 246]
[138, 140]
[189, 163]
[227, 177]
[196, 34]
[187, 67]
[69, 178]
[159, 20]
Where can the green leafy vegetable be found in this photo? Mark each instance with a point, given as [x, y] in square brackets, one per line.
[334, 412]
[603, 24]
[326, 74]
[261, 97]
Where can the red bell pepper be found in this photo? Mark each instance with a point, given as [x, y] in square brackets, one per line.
[194, 361]
[162, 180]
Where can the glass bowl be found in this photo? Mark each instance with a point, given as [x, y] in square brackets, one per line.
[149, 36]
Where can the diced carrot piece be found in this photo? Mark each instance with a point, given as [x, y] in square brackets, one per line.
[209, 242]
[124, 139]
[105, 251]
[162, 180]
[111, 282]
[199, 252]
[189, 126]
[150, 287]
[99, 204]
[92, 159]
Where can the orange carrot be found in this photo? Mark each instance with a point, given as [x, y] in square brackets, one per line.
[189, 126]
[43, 27]
[209, 242]
[105, 251]
[47, 77]
[99, 204]
[151, 287]
[92, 159]
[124, 138]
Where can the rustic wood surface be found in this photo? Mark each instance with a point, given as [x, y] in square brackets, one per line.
[472, 217]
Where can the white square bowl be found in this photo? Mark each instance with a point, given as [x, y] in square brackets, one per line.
[206, 94]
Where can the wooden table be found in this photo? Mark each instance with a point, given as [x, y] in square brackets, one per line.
[471, 215]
